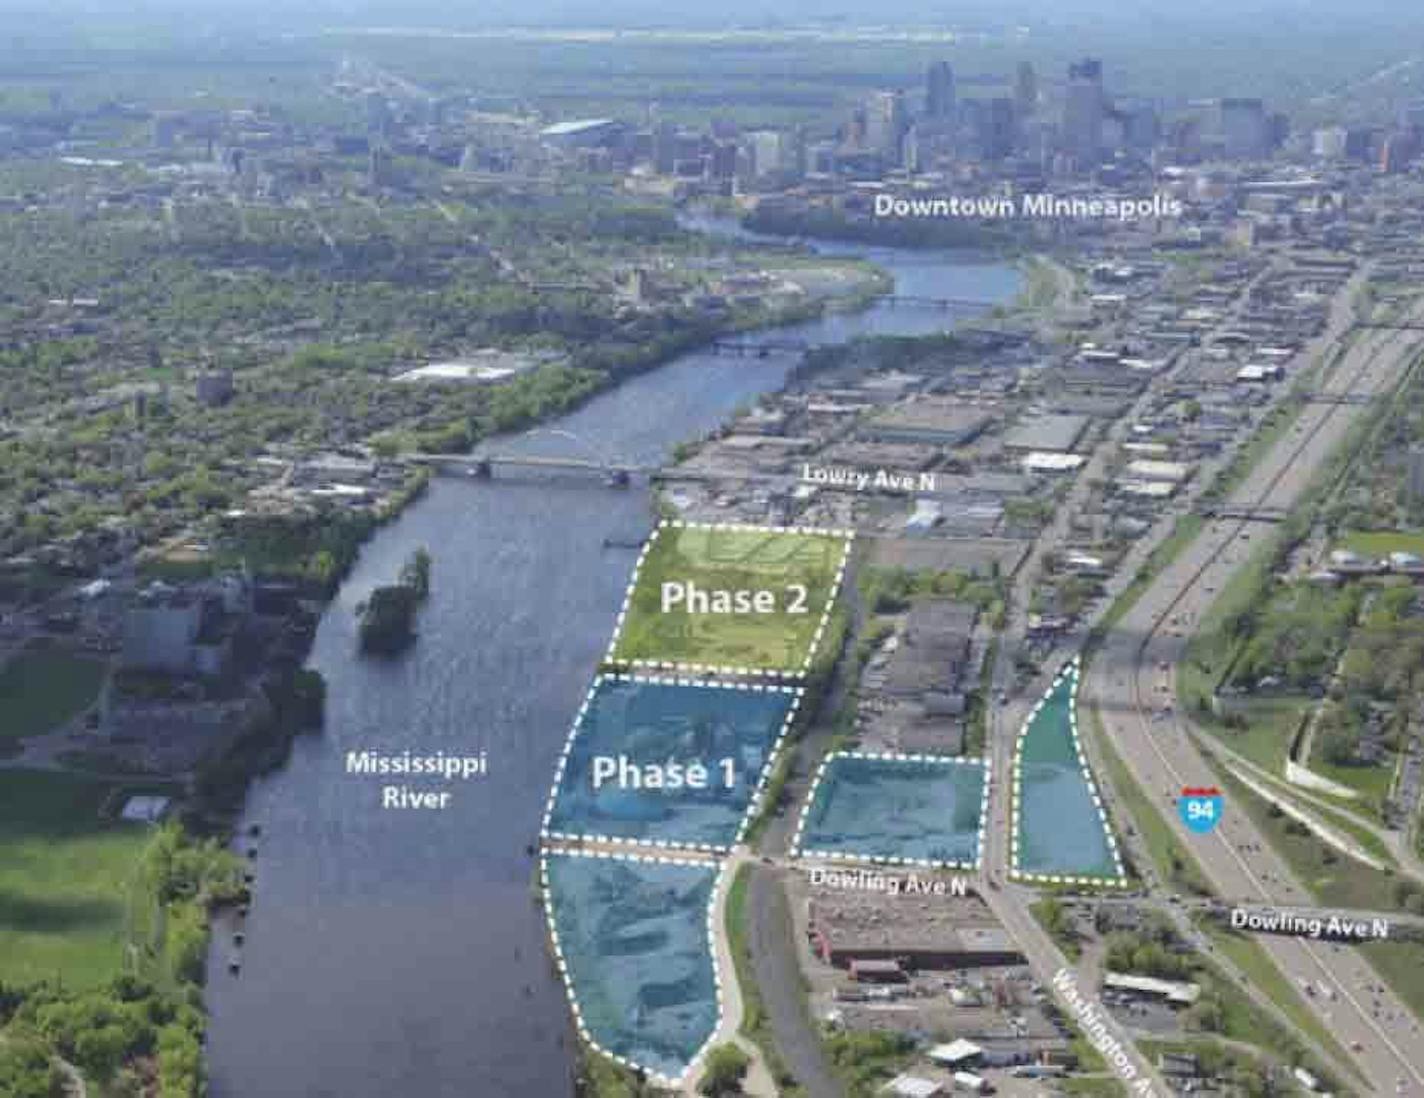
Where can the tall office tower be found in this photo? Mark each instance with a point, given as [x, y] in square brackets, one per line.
[378, 166]
[378, 114]
[886, 122]
[1359, 141]
[939, 91]
[1328, 143]
[722, 160]
[1243, 128]
[664, 148]
[775, 153]
[996, 129]
[1026, 90]
[855, 127]
[1141, 127]
[1397, 151]
[1083, 113]
[1411, 117]
[1277, 129]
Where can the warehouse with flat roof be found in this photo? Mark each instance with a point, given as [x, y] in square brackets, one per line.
[1057, 433]
[937, 422]
[915, 932]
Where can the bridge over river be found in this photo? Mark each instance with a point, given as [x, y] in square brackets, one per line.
[613, 475]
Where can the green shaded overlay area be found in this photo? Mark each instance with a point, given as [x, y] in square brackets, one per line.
[1061, 828]
[798, 570]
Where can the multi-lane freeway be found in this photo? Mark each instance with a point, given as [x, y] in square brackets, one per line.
[1126, 680]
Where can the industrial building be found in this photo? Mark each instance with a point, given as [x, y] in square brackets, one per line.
[1174, 992]
[912, 932]
[1057, 433]
[933, 421]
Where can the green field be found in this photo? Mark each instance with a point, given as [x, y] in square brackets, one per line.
[1382, 543]
[1100, 1086]
[1331, 877]
[1371, 782]
[40, 689]
[796, 571]
[66, 878]
[1271, 723]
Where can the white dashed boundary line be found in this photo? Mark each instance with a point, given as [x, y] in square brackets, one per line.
[721, 869]
[1070, 671]
[797, 851]
[753, 806]
[847, 536]
[758, 789]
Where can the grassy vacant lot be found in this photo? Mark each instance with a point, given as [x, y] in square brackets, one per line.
[1271, 723]
[1371, 782]
[1381, 543]
[798, 569]
[65, 880]
[1331, 877]
[40, 689]
[1100, 1086]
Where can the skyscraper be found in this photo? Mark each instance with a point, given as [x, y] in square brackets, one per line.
[776, 153]
[996, 128]
[1243, 128]
[1397, 151]
[1411, 117]
[1083, 113]
[1025, 90]
[939, 91]
[886, 121]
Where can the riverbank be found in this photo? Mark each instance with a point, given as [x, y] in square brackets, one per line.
[920, 234]
[351, 896]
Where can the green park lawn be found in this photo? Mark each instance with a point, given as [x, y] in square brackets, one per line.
[40, 689]
[66, 879]
[798, 570]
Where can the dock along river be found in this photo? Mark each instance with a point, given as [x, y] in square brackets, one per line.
[401, 952]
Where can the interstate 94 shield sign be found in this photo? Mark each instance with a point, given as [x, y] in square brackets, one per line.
[1200, 808]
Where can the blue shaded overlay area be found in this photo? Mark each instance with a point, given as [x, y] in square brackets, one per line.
[652, 723]
[1061, 830]
[634, 938]
[897, 808]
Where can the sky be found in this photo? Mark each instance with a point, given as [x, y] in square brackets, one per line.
[701, 13]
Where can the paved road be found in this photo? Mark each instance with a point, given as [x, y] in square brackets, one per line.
[1011, 907]
[769, 930]
[771, 942]
[1304, 911]
[1125, 677]
[758, 1081]
[1005, 721]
